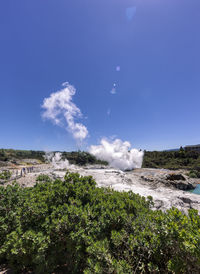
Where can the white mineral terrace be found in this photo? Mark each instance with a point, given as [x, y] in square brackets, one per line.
[164, 196]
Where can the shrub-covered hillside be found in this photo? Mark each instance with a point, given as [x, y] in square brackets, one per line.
[172, 159]
[12, 154]
[75, 157]
[72, 226]
[82, 158]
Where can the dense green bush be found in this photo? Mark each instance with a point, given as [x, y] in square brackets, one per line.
[194, 174]
[43, 178]
[180, 159]
[75, 157]
[12, 154]
[5, 175]
[77, 227]
[82, 158]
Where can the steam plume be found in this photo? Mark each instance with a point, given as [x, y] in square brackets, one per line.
[118, 154]
[60, 109]
[56, 160]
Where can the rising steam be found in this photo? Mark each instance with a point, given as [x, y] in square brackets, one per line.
[56, 160]
[60, 109]
[118, 154]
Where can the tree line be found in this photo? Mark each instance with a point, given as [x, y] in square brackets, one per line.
[75, 157]
[180, 159]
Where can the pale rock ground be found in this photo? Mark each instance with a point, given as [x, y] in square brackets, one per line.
[145, 182]
[164, 197]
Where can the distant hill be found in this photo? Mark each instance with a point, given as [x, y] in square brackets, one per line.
[173, 159]
[75, 157]
[14, 155]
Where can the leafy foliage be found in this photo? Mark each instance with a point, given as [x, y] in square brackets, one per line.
[11, 154]
[75, 157]
[173, 160]
[84, 229]
[194, 174]
[82, 158]
[5, 175]
[43, 178]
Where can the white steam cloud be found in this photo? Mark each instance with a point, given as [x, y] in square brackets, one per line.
[60, 109]
[56, 160]
[118, 154]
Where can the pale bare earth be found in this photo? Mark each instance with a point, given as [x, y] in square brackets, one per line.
[164, 196]
[146, 182]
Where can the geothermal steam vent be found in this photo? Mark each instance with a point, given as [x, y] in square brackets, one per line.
[118, 154]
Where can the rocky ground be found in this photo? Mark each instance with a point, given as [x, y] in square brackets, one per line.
[168, 188]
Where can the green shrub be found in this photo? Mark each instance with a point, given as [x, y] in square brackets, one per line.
[194, 174]
[43, 178]
[5, 175]
[74, 225]
[82, 158]
[180, 159]
[12, 154]
[75, 157]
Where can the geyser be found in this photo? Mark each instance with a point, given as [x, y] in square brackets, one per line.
[118, 154]
[56, 160]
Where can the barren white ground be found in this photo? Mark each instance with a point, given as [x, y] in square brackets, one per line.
[164, 197]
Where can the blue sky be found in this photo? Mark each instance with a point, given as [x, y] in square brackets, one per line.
[156, 44]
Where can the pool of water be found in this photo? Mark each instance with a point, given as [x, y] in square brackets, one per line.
[196, 190]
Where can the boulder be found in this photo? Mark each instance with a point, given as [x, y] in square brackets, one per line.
[175, 177]
[171, 180]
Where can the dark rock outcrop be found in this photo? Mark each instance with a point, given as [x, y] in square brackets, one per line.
[174, 180]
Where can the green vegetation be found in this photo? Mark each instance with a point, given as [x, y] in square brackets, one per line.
[75, 227]
[12, 155]
[194, 174]
[5, 175]
[43, 178]
[173, 160]
[82, 158]
[75, 157]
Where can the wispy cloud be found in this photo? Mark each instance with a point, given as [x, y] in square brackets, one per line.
[60, 109]
[118, 68]
[113, 90]
[108, 111]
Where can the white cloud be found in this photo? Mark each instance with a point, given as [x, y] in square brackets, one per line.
[118, 154]
[118, 68]
[113, 90]
[60, 109]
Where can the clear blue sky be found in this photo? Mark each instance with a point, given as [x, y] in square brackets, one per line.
[156, 43]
